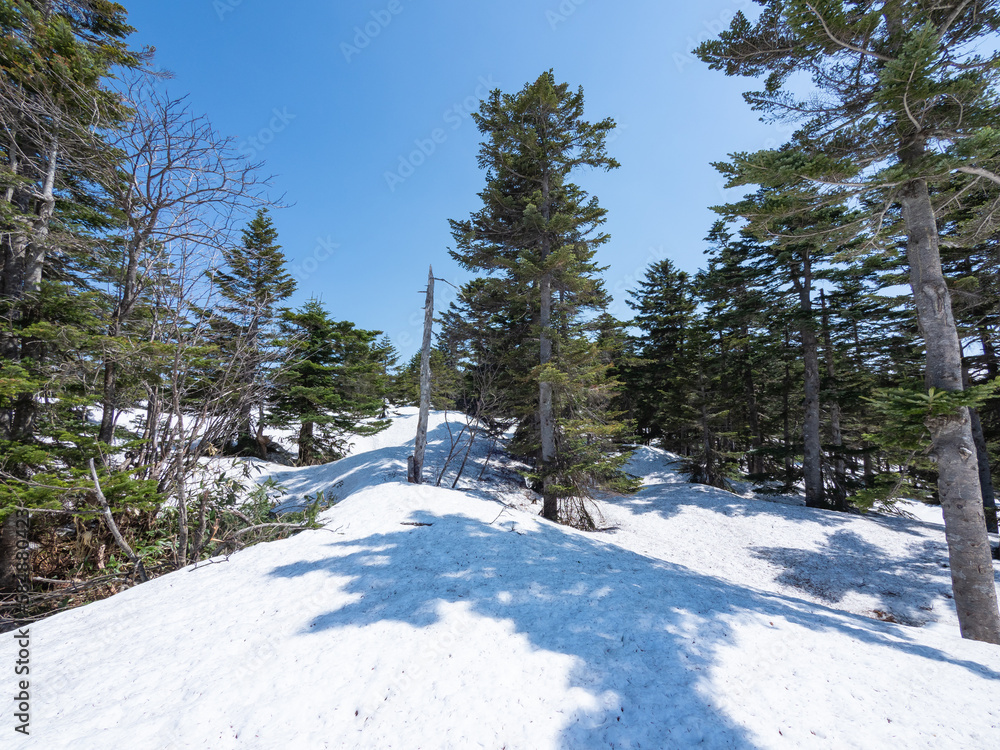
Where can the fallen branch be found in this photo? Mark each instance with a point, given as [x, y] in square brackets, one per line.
[140, 569]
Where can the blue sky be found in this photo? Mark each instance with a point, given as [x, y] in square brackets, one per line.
[360, 110]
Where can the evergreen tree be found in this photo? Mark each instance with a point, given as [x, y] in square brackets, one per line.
[540, 232]
[740, 308]
[255, 283]
[659, 374]
[55, 109]
[388, 358]
[905, 101]
[332, 389]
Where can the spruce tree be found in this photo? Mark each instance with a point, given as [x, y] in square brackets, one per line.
[539, 232]
[252, 288]
[905, 101]
[659, 375]
[55, 108]
[332, 386]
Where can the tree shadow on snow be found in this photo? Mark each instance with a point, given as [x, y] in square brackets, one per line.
[906, 587]
[670, 498]
[642, 630]
[340, 478]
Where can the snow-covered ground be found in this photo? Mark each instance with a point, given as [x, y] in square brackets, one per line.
[887, 567]
[425, 617]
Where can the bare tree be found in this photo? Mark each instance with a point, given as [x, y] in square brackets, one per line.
[416, 467]
[174, 179]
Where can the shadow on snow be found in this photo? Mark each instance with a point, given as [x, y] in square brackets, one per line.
[904, 586]
[643, 629]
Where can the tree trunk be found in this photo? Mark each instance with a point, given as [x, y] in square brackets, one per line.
[951, 435]
[812, 454]
[425, 384]
[306, 453]
[546, 412]
[985, 475]
[989, 352]
[836, 435]
[786, 414]
[25, 280]
[107, 431]
[123, 310]
[982, 460]
[8, 552]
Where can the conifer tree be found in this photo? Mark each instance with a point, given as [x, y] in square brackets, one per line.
[539, 232]
[905, 101]
[659, 374]
[55, 109]
[255, 283]
[332, 387]
[742, 310]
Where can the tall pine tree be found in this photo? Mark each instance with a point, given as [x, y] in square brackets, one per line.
[540, 232]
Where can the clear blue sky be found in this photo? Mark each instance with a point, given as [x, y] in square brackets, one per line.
[339, 95]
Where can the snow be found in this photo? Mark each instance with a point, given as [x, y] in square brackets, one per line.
[699, 618]
[874, 564]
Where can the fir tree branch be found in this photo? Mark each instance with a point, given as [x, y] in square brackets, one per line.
[845, 45]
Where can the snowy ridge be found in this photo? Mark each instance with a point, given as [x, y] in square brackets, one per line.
[485, 626]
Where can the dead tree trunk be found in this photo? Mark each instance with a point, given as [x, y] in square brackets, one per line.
[416, 468]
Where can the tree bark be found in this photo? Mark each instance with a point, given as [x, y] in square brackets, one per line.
[836, 434]
[546, 412]
[306, 453]
[982, 460]
[8, 554]
[106, 433]
[425, 384]
[985, 475]
[951, 435]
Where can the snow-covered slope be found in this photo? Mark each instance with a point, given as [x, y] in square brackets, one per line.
[881, 566]
[484, 626]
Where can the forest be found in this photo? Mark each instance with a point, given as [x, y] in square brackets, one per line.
[840, 340]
